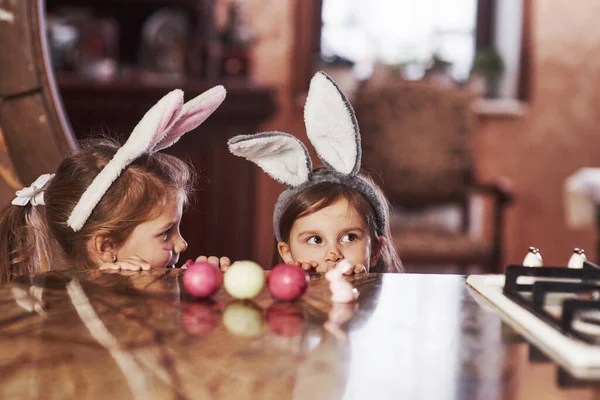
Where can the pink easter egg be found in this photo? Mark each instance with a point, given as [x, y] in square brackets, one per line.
[287, 282]
[202, 279]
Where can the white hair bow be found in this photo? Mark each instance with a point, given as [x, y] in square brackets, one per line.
[34, 193]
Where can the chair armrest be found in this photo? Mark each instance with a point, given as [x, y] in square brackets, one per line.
[501, 190]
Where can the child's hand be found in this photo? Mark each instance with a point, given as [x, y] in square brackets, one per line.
[223, 263]
[132, 263]
[307, 266]
[314, 265]
[358, 269]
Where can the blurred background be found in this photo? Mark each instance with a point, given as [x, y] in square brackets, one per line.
[473, 113]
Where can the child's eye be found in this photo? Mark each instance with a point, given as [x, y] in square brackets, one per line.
[165, 235]
[351, 237]
[314, 240]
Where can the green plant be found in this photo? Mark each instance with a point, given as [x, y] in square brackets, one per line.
[488, 64]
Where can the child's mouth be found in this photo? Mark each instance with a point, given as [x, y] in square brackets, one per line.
[173, 262]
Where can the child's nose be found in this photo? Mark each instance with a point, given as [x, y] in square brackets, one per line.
[333, 255]
[180, 245]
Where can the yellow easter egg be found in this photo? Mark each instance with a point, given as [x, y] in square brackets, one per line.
[244, 279]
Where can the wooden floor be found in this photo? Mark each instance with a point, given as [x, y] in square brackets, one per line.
[98, 335]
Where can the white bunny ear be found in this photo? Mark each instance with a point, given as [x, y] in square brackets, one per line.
[280, 155]
[153, 124]
[194, 113]
[151, 127]
[331, 125]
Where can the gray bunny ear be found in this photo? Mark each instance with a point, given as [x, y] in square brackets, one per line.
[280, 155]
[331, 125]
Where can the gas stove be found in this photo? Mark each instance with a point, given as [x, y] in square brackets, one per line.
[556, 309]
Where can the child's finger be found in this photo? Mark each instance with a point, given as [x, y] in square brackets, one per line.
[213, 260]
[110, 271]
[305, 266]
[225, 262]
[128, 266]
[109, 267]
[360, 269]
[134, 264]
[300, 264]
[202, 259]
[143, 265]
[313, 264]
[321, 269]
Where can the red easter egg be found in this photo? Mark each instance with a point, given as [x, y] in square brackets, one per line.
[287, 282]
[202, 279]
[286, 319]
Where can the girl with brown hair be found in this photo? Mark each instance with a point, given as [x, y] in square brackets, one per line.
[108, 206]
[329, 214]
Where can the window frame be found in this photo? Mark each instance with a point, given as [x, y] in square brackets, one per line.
[307, 42]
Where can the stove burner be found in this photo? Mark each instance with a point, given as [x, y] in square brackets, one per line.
[579, 287]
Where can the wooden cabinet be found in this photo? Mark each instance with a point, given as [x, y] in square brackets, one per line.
[220, 219]
[173, 28]
[35, 134]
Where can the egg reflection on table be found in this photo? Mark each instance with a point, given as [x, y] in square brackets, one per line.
[286, 319]
[201, 318]
[243, 318]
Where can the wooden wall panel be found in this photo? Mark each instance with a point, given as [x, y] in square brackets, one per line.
[35, 134]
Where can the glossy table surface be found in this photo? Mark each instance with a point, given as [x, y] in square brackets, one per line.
[93, 334]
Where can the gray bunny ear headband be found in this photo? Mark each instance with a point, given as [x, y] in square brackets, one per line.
[333, 131]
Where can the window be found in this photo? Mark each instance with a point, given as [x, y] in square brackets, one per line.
[401, 32]
[411, 33]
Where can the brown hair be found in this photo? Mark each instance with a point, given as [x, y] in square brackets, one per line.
[324, 194]
[36, 237]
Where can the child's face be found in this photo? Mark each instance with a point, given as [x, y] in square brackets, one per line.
[328, 236]
[158, 241]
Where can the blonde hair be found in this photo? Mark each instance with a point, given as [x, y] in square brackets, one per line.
[37, 238]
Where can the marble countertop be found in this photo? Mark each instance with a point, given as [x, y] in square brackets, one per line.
[138, 335]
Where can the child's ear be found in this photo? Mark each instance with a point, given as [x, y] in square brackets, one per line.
[103, 248]
[378, 245]
[285, 253]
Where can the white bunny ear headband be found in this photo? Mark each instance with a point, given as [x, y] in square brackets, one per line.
[332, 129]
[161, 127]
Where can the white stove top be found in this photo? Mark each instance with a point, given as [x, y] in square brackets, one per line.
[580, 358]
